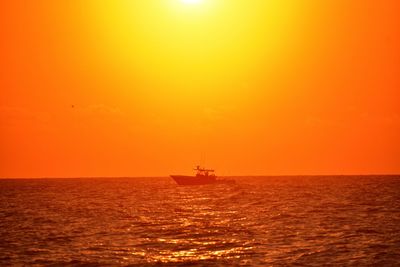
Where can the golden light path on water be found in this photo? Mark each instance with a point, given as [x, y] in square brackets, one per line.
[196, 254]
[201, 252]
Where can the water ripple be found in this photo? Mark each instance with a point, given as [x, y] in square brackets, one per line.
[275, 221]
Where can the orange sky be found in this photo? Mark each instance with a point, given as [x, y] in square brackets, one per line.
[150, 87]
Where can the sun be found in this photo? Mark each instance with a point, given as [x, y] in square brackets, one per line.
[191, 1]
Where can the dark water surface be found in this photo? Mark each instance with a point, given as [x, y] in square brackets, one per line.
[269, 221]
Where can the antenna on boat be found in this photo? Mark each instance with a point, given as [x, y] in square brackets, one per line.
[203, 160]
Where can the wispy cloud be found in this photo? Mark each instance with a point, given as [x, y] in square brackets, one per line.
[10, 115]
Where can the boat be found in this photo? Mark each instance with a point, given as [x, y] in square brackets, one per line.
[203, 176]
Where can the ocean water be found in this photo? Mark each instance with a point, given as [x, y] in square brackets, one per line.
[259, 221]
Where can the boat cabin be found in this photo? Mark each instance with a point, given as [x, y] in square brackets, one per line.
[202, 172]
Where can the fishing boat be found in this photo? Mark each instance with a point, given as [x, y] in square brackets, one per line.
[203, 176]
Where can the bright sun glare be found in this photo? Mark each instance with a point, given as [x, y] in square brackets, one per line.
[191, 1]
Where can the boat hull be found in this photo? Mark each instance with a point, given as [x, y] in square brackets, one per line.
[194, 180]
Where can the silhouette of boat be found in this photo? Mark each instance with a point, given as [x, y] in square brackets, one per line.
[203, 176]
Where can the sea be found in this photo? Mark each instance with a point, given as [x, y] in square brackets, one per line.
[259, 221]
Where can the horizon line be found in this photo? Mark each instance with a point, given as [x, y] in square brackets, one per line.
[234, 176]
